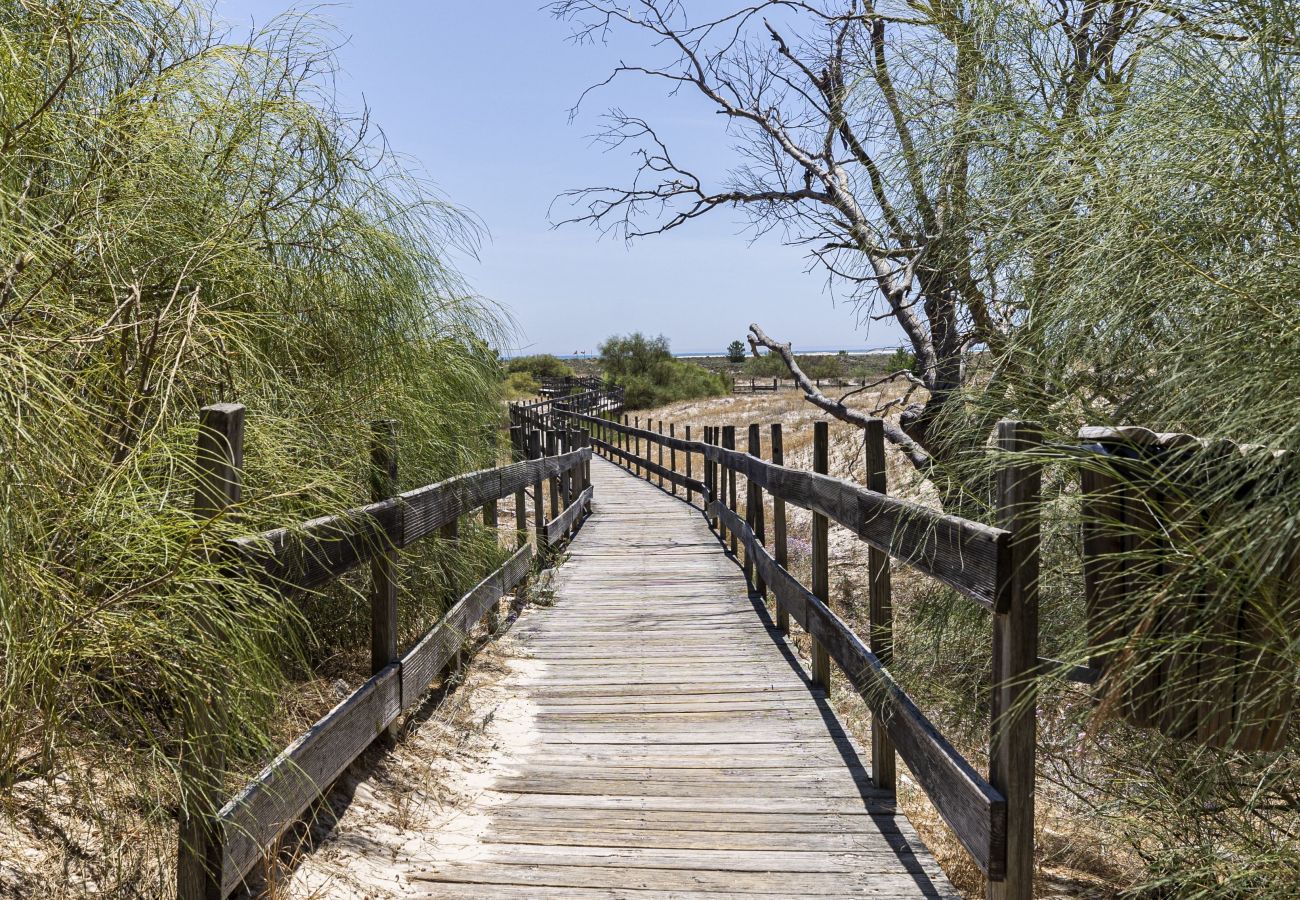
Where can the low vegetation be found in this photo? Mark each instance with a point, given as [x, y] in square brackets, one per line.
[188, 220]
[649, 374]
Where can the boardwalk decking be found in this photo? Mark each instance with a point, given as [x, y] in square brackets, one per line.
[677, 750]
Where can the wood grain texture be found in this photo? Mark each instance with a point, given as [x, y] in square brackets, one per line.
[967, 802]
[308, 554]
[675, 747]
[959, 552]
[277, 797]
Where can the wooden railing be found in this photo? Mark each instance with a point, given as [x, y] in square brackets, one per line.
[222, 841]
[751, 386]
[572, 384]
[995, 567]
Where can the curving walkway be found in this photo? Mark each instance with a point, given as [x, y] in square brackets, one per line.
[674, 747]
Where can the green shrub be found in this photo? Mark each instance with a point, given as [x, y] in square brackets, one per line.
[649, 374]
[735, 352]
[769, 365]
[520, 385]
[539, 366]
[186, 221]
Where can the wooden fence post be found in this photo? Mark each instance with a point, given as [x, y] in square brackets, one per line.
[672, 456]
[625, 441]
[880, 607]
[1015, 659]
[219, 462]
[541, 546]
[493, 618]
[713, 470]
[754, 508]
[521, 495]
[552, 448]
[781, 552]
[383, 565]
[821, 588]
[689, 493]
[636, 423]
[449, 534]
[660, 444]
[729, 443]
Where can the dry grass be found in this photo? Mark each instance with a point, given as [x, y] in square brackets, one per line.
[1077, 858]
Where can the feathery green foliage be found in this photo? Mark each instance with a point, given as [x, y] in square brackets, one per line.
[185, 220]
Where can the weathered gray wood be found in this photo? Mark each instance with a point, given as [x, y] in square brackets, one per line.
[619, 455]
[219, 462]
[558, 529]
[432, 652]
[729, 443]
[778, 525]
[975, 810]
[672, 743]
[689, 456]
[273, 801]
[540, 541]
[959, 552]
[821, 579]
[672, 457]
[754, 510]
[880, 604]
[309, 554]
[517, 444]
[493, 619]
[660, 460]
[1015, 661]
[383, 564]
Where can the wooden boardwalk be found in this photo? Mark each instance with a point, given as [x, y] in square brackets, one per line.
[677, 748]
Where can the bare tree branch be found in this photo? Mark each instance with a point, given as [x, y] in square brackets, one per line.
[915, 453]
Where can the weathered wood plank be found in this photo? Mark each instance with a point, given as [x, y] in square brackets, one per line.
[559, 527]
[306, 555]
[967, 801]
[430, 655]
[277, 797]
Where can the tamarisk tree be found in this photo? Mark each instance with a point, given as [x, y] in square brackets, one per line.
[880, 137]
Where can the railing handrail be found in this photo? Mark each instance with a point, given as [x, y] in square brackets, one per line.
[221, 842]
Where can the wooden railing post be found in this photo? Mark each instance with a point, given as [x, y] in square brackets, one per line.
[1015, 660]
[689, 493]
[821, 588]
[493, 618]
[672, 456]
[449, 535]
[219, 464]
[711, 473]
[521, 495]
[754, 512]
[636, 423]
[729, 443]
[880, 607]
[780, 550]
[660, 444]
[383, 565]
[541, 546]
[625, 444]
[552, 448]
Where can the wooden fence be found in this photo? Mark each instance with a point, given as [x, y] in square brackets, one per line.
[751, 386]
[995, 567]
[1154, 505]
[572, 384]
[222, 841]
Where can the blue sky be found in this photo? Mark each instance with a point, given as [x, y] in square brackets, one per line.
[478, 94]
